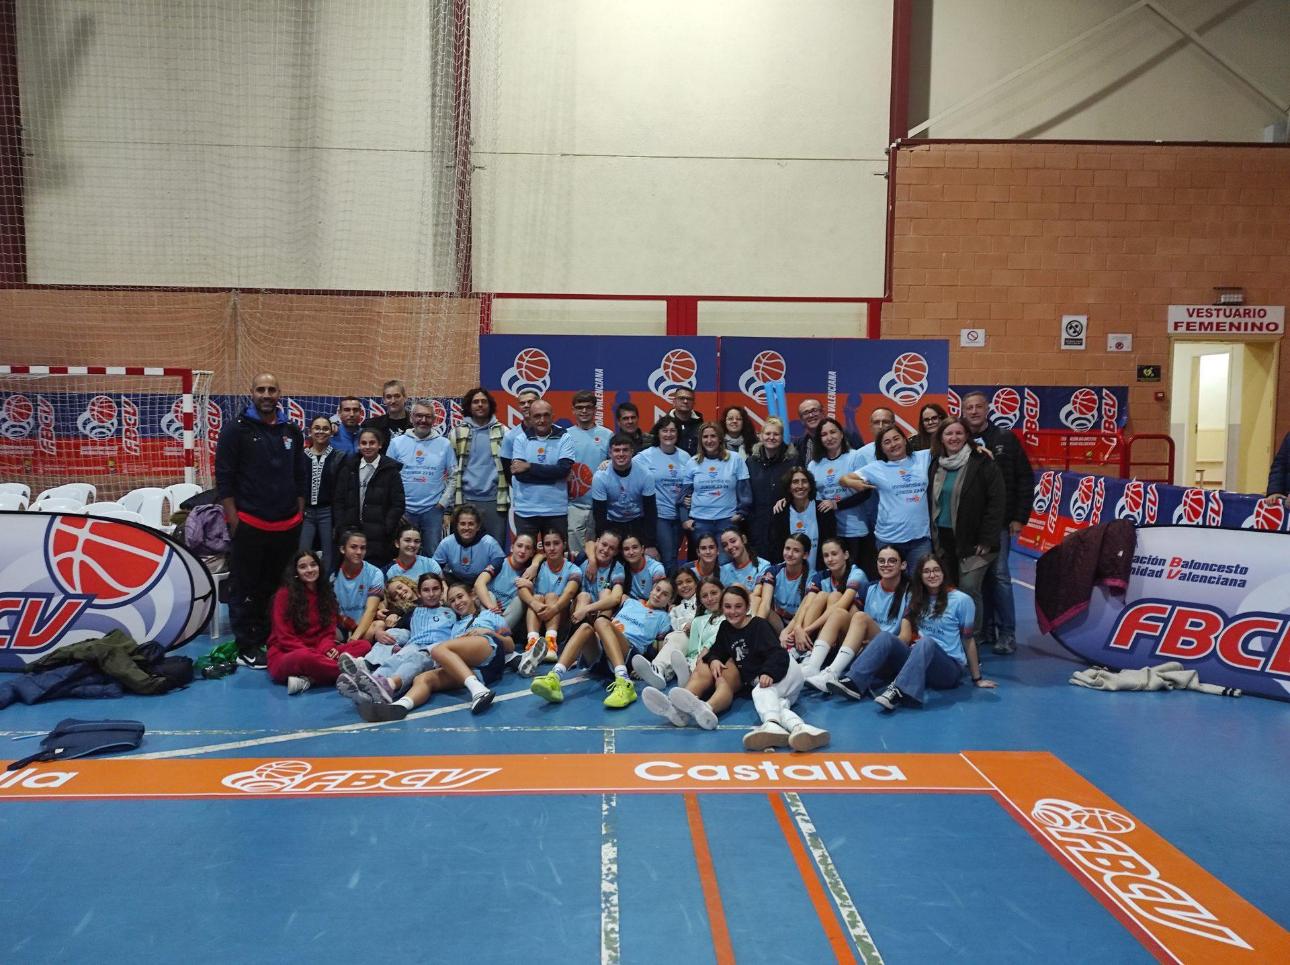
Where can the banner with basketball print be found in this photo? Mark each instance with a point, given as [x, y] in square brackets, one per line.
[1217, 601]
[1068, 501]
[1071, 408]
[69, 578]
[644, 370]
[851, 377]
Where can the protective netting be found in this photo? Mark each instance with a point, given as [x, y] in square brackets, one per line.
[243, 186]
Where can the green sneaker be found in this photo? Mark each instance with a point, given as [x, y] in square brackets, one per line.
[622, 693]
[548, 688]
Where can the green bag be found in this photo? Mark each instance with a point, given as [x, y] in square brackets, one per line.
[220, 662]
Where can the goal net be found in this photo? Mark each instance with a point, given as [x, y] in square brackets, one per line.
[116, 427]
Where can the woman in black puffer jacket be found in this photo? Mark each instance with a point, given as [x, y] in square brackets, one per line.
[771, 458]
[381, 502]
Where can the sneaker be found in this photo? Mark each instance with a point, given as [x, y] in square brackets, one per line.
[656, 702]
[373, 686]
[367, 709]
[346, 687]
[512, 661]
[680, 667]
[298, 685]
[807, 738]
[531, 657]
[646, 671]
[890, 698]
[550, 655]
[255, 659]
[348, 665]
[481, 701]
[688, 703]
[768, 735]
[820, 681]
[385, 712]
[548, 687]
[1004, 646]
[843, 688]
[622, 693]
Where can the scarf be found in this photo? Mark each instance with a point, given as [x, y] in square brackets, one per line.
[950, 464]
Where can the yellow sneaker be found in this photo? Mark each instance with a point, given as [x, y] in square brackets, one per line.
[622, 693]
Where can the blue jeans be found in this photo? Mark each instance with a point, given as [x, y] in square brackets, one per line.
[317, 529]
[668, 536]
[1000, 621]
[713, 526]
[430, 523]
[911, 551]
[912, 669]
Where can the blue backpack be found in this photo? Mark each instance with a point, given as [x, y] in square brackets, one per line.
[81, 738]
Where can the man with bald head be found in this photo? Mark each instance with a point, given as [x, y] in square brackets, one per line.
[262, 479]
[542, 454]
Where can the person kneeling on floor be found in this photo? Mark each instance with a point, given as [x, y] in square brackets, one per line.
[472, 658]
[745, 659]
[634, 629]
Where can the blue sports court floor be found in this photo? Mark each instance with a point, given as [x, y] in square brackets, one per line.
[231, 836]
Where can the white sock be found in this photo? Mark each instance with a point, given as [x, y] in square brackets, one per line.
[533, 637]
[474, 686]
[620, 671]
[816, 660]
[560, 670]
[405, 702]
[842, 660]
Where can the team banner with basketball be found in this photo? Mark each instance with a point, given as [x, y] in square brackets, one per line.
[851, 377]
[1067, 501]
[1216, 601]
[1072, 408]
[69, 578]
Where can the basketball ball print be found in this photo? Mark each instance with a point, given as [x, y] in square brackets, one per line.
[906, 382]
[1267, 516]
[678, 369]
[1005, 407]
[1081, 412]
[99, 420]
[17, 417]
[110, 561]
[531, 370]
[1067, 816]
[579, 480]
[766, 366]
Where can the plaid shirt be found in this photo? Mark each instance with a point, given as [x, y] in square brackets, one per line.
[461, 435]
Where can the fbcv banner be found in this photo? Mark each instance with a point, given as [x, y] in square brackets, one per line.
[1073, 408]
[1216, 601]
[850, 376]
[68, 578]
[645, 370]
[1068, 501]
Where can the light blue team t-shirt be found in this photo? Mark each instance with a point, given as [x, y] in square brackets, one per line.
[507, 449]
[745, 576]
[465, 563]
[541, 498]
[642, 625]
[822, 582]
[951, 627]
[877, 603]
[428, 625]
[352, 594]
[501, 582]
[806, 523]
[590, 448]
[902, 495]
[828, 475]
[485, 621]
[420, 566]
[715, 487]
[428, 464]
[787, 592]
[671, 475]
[624, 495]
[643, 580]
[552, 581]
[606, 578]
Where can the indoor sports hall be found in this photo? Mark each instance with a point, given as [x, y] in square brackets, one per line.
[1070, 219]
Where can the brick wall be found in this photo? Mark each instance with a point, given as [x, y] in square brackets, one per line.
[1009, 237]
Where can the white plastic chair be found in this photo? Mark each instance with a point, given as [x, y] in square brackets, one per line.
[113, 511]
[13, 501]
[57, 504]
[179, 492]
[22, 489]
[150, 503]
[80, 492]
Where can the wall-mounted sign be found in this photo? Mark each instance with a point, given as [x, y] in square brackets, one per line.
[1148, 373]
[1119, 343]
[1239, 321]
[1074, 332]
[971, 338]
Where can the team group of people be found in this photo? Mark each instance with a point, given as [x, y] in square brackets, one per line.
[701, 560]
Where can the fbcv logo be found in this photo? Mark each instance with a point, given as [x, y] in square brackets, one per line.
[531, 370]
[676, 370]
[1257, 642]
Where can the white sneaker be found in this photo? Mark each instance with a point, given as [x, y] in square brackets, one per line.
[807, 738]
[532, 657]
[680, 667]
[298, 685]
[656, 702]
[768, 735]
[688, 703]
[820, 681]
[647, 672]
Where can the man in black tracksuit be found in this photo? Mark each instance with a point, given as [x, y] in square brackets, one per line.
[999, 627]
[262, 479]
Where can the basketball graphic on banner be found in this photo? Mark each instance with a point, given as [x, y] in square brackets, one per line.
[110, 561]
[766, 366]
[579, 480]
[17, 417]
[1191, 508]
[274, 776]
[98, 421]
[531, 370]
[906, 382]
[440, 414]
[1005, 407]
[1081, 412]
[678, 369]
[1267, 516]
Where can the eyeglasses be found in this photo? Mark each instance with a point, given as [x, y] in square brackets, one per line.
[584, 405]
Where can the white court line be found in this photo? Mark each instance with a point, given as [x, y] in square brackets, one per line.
[1022, 583]
[325, 731]
[610, 947]
[833, 881]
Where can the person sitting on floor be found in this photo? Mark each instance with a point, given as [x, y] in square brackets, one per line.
[302, 628]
